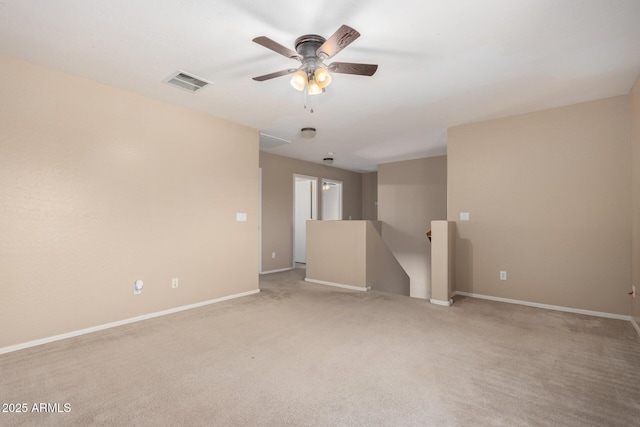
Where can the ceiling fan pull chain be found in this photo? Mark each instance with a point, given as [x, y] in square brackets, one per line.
[305, 102]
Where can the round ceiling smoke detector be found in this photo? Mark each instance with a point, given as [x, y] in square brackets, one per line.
[327, 160]
[308, 132]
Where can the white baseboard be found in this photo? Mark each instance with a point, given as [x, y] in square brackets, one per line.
[72, 334]
[338, 285]
[635, 324]
[440, 302]
[546, 306]
[278, 271]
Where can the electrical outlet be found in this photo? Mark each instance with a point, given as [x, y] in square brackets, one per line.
[273, 255]
[503, 275]
[174, 282]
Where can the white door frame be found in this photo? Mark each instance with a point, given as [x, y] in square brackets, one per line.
[314, 208]
[259, 220]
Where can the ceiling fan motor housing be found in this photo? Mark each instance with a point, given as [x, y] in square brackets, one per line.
[307, 46]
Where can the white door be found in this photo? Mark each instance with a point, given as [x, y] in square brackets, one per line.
[305, 208]
[331, 199]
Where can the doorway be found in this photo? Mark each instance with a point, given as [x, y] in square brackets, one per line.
[305, 206]
[331, 199]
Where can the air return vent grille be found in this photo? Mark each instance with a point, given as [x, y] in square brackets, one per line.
[270, 141]
[186, 81]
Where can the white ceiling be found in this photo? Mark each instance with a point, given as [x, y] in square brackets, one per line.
[441, 63]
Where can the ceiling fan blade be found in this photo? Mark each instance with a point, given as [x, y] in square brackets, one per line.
[274, 75]
[277, 47]
[338, 41]
[353, 68]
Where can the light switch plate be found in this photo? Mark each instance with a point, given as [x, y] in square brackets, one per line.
[241, 217]
[464, 216]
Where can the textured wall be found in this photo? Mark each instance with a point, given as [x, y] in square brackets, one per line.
[635, 142]
[337, 252]
[384, 272]
[353, 253]
[100, 187]
[442, 260]
[370, 196]
[411, 194]
[277, 203]
[549, 200]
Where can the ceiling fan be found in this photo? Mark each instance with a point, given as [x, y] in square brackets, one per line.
[311, 51]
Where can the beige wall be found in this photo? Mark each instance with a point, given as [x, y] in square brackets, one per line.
[370, 196]
[352, 253]
[410, 195]
[548, 197]
[100, 187]
[337, 252]
[384, 272]
[277, 203]
[442, 260]
[635, 142]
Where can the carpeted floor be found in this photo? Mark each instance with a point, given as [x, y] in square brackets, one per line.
[302, 354]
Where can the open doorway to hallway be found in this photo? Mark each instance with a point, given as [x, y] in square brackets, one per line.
[331, 199]
[305, 206]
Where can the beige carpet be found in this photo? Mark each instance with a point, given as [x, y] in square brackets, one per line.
[308, 355]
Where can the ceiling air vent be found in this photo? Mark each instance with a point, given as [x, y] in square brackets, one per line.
[185, 81]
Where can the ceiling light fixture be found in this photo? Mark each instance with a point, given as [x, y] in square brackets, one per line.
[327, 160]
[299, 80]
[322, 77]
[313, 77]
[313, 88]
[312, 50]
[308, 132]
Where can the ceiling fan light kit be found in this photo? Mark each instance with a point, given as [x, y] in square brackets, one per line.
[322, 77]
[315, 80]
[313, 88]
[299, 80]
[311, 51]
